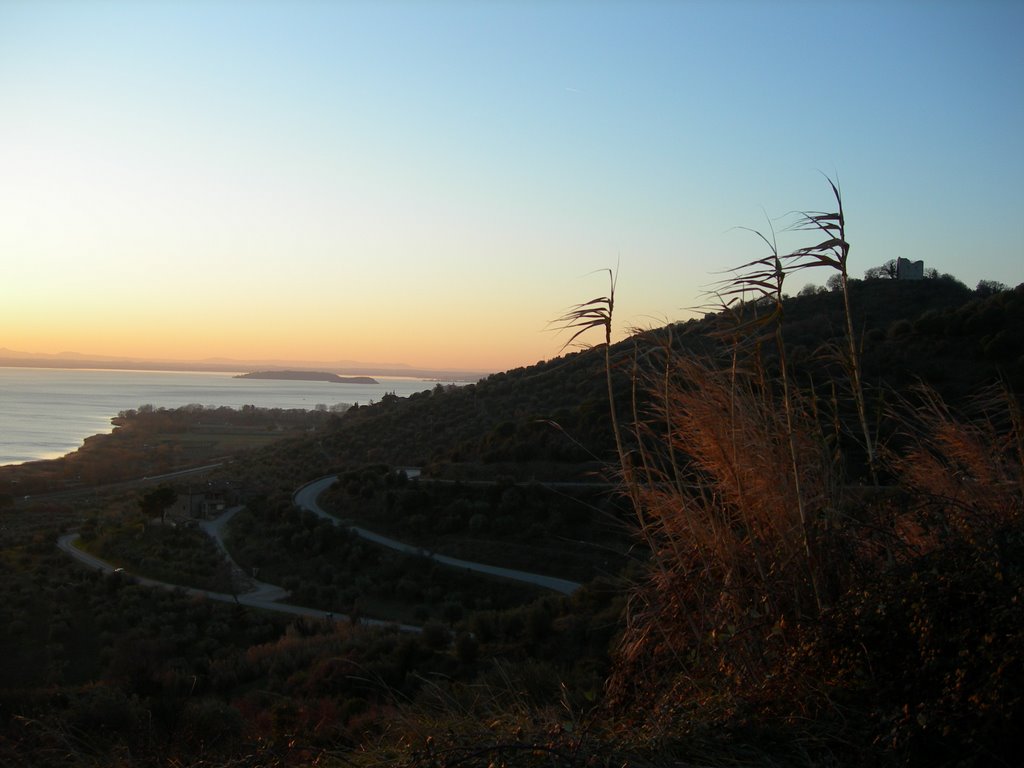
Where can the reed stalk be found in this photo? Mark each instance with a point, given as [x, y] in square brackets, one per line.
[598, 314]
[833, 253]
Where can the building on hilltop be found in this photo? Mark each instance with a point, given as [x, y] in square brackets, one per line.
[909, 270]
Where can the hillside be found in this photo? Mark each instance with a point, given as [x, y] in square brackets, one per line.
[752, 594]
[937, 331]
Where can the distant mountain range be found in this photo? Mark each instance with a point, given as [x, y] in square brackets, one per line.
[15, 358]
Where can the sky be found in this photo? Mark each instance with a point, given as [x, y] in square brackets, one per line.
[431, 183]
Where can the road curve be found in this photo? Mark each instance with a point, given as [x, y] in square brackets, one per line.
[264, 595]
[306, 498]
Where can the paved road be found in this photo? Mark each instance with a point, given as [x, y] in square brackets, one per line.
[266, 596]
[306, 498]
[263, 595]
[255, 590]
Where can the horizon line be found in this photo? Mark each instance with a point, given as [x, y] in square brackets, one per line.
[73, 360]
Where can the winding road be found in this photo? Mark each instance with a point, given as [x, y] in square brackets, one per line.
[261, 595]
[306, 498]
[268, 596]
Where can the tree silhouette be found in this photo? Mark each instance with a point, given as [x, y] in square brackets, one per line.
[157, 501]
[886, 271]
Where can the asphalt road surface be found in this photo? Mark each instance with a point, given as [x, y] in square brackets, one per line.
[306, 498]
[266, 596]
[261, 595]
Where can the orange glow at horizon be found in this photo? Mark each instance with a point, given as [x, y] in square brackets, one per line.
[379, 190]
[196, 337]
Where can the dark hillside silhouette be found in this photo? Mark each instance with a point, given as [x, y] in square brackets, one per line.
[886, 631]
[937, 331]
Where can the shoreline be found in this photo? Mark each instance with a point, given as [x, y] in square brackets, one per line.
[48, 412]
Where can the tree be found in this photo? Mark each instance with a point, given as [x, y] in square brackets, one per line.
[989, 287]
[811, 290]
[157, 501]
[886, 271]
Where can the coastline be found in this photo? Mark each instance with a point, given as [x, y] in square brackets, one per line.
[47, 412]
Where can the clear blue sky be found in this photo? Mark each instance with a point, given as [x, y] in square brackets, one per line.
[432, 182]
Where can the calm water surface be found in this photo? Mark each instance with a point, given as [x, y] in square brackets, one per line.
[48, 412]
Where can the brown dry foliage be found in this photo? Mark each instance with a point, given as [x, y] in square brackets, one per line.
[961, 470]
[730, 568]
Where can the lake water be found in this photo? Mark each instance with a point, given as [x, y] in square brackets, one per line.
[48, 412]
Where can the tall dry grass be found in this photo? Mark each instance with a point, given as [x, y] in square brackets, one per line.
[735, 502]
[834, 253]
[599, 313]
[737, 476]
[961, 469]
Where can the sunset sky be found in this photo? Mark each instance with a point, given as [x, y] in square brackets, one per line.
[431, 183]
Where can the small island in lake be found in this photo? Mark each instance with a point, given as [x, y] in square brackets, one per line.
[307, 376]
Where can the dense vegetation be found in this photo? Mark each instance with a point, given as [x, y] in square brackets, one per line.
[573, 530]
[326, 566]
[795, 550]
[176, 555]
